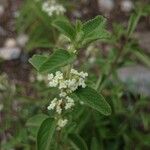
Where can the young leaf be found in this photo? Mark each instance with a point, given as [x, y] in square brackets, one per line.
[93, 99]
[65, 27]
[45, 134]
[94, 30]
[58, 59]
[91, 25]
[77, 142]
[37, 61]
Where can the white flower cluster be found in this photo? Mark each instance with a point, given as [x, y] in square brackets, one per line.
[51, 8]
[66, 86]
[75, 80]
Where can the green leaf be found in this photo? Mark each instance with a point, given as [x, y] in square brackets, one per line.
[93, 99]
[37, 61]
[94, 30]
[45, 134]
[91, 25]
[133, 21]
[142, 57]
[35, 122]
[58, 59]
[77, 142]
[65, 27]
[97, 34]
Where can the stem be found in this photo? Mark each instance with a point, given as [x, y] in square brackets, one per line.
[58, 139]
[98, 82]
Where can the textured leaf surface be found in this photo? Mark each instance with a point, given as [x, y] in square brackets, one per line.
[94, 100]
[98, 34]
[45, 134]
[65, 27]
[77, 142]
[91, 25]
[37, 61]
[94, 30]
[58, 59]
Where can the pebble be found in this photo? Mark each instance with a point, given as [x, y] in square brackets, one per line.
[126, 5]
[9, 53]
[136, 78]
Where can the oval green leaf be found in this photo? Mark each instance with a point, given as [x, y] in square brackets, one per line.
[58, 59]
[94, 100]
[45, 134]
[37, 61]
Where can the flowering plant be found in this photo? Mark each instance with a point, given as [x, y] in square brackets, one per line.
[72, 86]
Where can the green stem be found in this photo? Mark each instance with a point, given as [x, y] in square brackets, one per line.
[98, 82]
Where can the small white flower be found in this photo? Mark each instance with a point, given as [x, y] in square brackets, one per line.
[53, 83]
[52, 104]
[50, 76]
[82, 83]
[62, 94]
[69, 103]
[58, 107]
[59, 75]
[73, 71]
[72, 84]
[70, 100]
[62, 84]
[61, 123]
[51, 8]
[83, 75]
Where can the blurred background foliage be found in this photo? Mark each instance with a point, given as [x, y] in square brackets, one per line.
[121, 63]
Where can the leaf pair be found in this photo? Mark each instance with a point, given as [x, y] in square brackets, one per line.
[46, 126]
[83, 34]
[46, 129]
